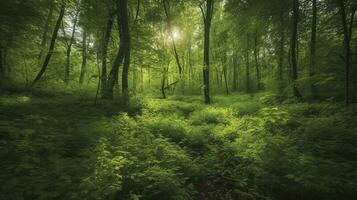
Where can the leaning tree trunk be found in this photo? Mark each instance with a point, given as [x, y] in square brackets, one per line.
[69, 50]
[294, 53]
[84, 58]
[313, 47]
[207, 18]
[52, 46]
[45, 33]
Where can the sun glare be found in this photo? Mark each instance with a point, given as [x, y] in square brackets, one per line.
[175, 34]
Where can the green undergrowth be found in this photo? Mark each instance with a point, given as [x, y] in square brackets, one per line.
[241, 147]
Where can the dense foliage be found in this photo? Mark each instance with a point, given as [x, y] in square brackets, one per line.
[178, 99]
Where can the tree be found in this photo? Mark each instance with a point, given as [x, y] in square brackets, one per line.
[313, 45]
[106, 39]
[45, 31]
[84, 58]
[52, 46]
[294, 48]
[347, 33]
[207, 19]
[166, 5]
[123, 55]
[69, 46]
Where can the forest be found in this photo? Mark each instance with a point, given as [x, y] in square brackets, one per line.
[178, 99]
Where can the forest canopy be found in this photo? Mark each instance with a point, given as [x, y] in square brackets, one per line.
[178, 99]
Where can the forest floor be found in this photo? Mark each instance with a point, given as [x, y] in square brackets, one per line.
[241, 147]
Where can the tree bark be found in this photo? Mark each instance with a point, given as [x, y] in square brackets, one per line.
[256, 58]
[281, 53]
[69, 49]
[294, 53]
[347, 32]
[313, 46]
[105, 44]
[45, 32]
[247, 67]
[123, 5]
[225, 72]
[123, 54]
[235, 70]
[207, 18]
[52, 46]
[84, 58]
[163, 82]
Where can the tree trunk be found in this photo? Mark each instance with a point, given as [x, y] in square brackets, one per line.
[347, 32]
[256, 59]
[123, 54]
[105, 54]
[112, 79]
[69, 49]
[207, 16]
[294, 54]
[123, 5]
[313, 47]
[163, 83]
[52, 46]
[225, 72]
[247, 69]
[235, 70]
[168, 20]
[281, 53]
[45, 33]
[84, 58]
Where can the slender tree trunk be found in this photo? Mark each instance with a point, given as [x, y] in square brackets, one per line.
[69, 49]
[313, 47]
[163, 82]
[123, 5]
[225, 72]
[347, 32]
[112, 79]
[84, 58]
[247, 69]
[281, 53]
[207, 16]
[168, 20]
[105, 44]
[52, 46]
[294, 53]
[235, 70]
[45, 32]
[256, 58]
